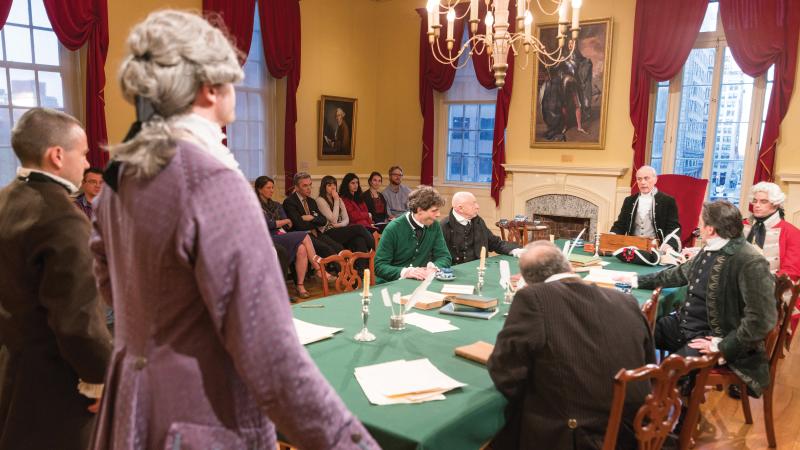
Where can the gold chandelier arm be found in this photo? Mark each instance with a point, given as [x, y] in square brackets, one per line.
[550, 13]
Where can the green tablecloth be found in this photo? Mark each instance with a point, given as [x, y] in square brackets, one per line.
[470, 416]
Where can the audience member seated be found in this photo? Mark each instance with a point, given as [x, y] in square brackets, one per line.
[375, 201]
[396, 194]
[413, 245]
[304, 214]
[465, 232]
[298, 245]
[648, 213]
[337, 226]
[90, 188]
[353, 200]
[555, 361]
[729, 307]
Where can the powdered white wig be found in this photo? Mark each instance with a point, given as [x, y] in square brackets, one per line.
[172, 54]
[774, 193]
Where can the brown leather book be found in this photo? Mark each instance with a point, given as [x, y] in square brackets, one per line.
[475, 301]
[478, 352]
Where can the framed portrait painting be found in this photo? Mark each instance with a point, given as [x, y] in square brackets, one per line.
[337, 127]
[570, 99]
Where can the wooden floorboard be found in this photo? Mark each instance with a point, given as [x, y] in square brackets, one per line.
[725, 428]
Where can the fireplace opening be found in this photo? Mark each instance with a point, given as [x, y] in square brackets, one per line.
[565, 227]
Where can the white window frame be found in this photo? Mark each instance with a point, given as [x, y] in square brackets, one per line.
[714, 39]
[442, 127]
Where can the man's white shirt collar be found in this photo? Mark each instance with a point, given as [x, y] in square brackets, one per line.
[461, 219]
[24, 172]
[410, 218]
[561, 276]
[715, 244]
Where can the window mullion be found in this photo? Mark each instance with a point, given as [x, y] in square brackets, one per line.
[713, 110]
[754, 131]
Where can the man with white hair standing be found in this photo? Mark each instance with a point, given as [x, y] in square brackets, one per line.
[766, 229]
[649, 213]
[465, 232]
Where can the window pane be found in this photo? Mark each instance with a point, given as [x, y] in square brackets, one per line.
[45, 47]
[471, 117]
[252, 74]
[469, 169]
[470, 143]
[693, 115]
[255, 106]
[5, 128]
[18, 112]
[485, 144]
[2, 52]
[8, 161]
[662, 101]
[485, 170]
[39, 15]
[730, 142]
[657, 150]
[710, 19]
[255, 136]
[487, 117]
[241, 105]
[51, 90]
[18, 13]
[18, 44]
[454, 168]
[23, 87]
[3, 88]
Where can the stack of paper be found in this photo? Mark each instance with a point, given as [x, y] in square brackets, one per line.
[309, 332]
[458, 289]
[404, 381]
[605, 277]
[428, 323]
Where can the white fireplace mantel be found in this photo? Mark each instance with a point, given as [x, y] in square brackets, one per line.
[792, 205]
[569, 170]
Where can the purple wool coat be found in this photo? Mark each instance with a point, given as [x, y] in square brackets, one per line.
[205, 352]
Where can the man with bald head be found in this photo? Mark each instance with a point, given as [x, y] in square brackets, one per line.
[555, 361]
[465, 232]
[648, 213]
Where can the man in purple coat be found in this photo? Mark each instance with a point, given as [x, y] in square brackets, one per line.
[206, 355]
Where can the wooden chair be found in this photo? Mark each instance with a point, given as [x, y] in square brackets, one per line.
[661, 409]
[650, 309]
[775, 344]
[377, 237]
[348, 278]
[516, 232]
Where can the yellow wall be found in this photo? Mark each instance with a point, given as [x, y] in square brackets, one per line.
[788, 156]
[122, 15]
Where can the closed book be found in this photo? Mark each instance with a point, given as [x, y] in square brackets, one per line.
[476, 314]
[583, 260]
[427, 300]
[478, 351]
[475, 301]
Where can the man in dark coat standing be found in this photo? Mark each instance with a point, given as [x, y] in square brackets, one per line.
[50, 320]
[465, 232]
[555, 361]
[649, 213]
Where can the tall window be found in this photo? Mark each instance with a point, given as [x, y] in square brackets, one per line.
[470, 127]
[33, 69]
[707, 121]
[247, 136]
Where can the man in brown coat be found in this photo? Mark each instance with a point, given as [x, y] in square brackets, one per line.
[557, 354]
[50, 323]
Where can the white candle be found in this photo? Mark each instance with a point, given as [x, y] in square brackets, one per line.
[366, 282]
[430, 6]
[563, 11]
[451, 19]
[483, 258]
[576, 10]
[435, 12]
[520, 8]
[528, 25]
[489, 21]
[473, 10]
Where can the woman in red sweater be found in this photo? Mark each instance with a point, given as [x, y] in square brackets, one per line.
[351, 195]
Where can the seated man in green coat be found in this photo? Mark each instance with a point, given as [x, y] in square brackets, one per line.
[412, 245]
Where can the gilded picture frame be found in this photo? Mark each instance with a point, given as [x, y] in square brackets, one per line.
[337, 127]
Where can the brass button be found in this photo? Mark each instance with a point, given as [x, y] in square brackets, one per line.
[356, 437]
[572, 423]
[140, 363]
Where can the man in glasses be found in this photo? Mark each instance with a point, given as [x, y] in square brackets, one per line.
[90, 188]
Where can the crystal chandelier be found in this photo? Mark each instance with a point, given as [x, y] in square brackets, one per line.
[498, 41]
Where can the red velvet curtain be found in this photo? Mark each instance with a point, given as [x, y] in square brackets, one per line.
[759, 35]
[75, 24]
[433, 75]
[280, 33]
[664, 33]
[237, 18]
[5, 8]
[485, 75]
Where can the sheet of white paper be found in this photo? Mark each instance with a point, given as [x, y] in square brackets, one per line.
[404, 382]
[505, 273]
[430, 324]
[310, 332]
[603, 276]
[458, 289]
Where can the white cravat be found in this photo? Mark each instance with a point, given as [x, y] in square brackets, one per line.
[209, 134]
[24, 172]
[460, 219]
[644, 211]
[714, 244]
[561, 276]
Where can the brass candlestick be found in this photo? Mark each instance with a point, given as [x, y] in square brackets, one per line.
[364, 335]
[479, 285]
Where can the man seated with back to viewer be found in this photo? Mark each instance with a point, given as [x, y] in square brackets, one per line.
[730, 306]
[412, 246]
[649, 213]
[555, 361]
[304, 213]
[465, 232]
